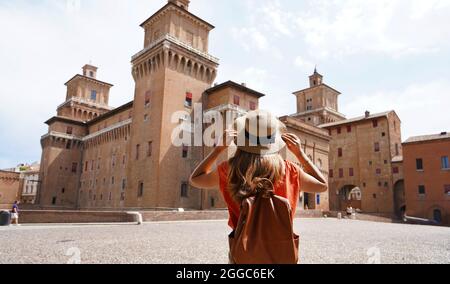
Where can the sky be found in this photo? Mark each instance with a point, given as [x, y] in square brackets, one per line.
[380, 54]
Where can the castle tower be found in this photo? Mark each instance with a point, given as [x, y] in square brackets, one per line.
[87, 97]
[62, 147]
[318, 104]
[171, 74]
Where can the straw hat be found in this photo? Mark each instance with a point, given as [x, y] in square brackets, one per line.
[259, 132]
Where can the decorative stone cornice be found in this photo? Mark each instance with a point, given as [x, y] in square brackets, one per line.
[85, 102]
[324, 109]
[108, 129]
[167, 40]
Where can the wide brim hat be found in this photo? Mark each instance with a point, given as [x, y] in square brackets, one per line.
[259, 132]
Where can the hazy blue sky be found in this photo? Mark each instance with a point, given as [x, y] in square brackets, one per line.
[381, 54]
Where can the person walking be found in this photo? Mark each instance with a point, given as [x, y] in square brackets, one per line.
[15, 213]
[261, 185]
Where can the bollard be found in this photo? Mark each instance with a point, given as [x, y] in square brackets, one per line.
[137, 217]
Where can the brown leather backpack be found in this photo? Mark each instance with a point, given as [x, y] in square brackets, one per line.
[264, 234]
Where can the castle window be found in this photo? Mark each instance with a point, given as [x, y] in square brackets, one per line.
[91, 74]
[395, 170]
[63, 190]
[377, 147]
[351, 172]
[341, 173]
[86, 166]
[185, 151]
[74, 167]
[383, 134]
[149, 149]
[147, 99]
[444, 163]
[422, 190]
[340, 152]
[141, 189]
[339, 130]
[124, 184]
[397, 150]
[378, 171]
[110, 196]
[93, 95]
[69, 130]
[252, 106]
[112, 181]
[184, 190]
[54, 201]
[138, 148]
[331, 174]
[92, 165]
[375, 123]
[330, 132]
[419, 164]
[237, 100]
[188, 102]
[318, 199]
[447, 189]
[349, 129]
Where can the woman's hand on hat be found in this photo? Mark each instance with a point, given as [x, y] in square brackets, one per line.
[227, 138]
[293, 143]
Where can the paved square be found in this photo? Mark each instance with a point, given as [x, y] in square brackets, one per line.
[322, 241]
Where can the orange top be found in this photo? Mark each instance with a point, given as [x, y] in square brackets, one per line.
[288, 188]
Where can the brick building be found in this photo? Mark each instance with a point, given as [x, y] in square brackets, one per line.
[427, 177]
[362, 171]
[98, 157]
[10, 189]
[365, 154]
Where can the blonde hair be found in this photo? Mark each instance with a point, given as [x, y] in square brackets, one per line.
[251, 173]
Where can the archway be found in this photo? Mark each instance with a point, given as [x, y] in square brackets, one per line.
[399, 199]
[350, 195]
[437, 216]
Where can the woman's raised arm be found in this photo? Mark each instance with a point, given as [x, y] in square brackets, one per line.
[311, 179]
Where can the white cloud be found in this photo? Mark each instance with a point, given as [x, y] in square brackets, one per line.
[395, 28]
[255, 78]
[251, 38]
[304, 64]
[422, 107]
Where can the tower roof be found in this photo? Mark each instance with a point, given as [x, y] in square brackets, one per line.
[171, 4]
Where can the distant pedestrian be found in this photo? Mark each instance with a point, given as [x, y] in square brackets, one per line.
[260, 184]
[15, 213]
[349, 211]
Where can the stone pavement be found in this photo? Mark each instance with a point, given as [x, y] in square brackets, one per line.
[322, 241]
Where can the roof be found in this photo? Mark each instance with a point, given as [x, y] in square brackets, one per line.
[428, 138]
[181, 9]
[111, 113]
[305, 127]
[65, 120]
[89, 78]
[310, 88]
[357, 119]
[231, 84]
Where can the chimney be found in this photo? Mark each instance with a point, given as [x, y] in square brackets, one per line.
[367, 114]
[244, 84]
